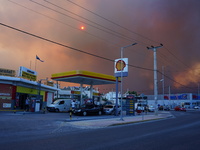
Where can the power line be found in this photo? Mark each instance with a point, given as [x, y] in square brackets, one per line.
[173, 80]
[92, 22]
[176, 57]
[126, 29]
[78, 50]
[72, 48]
[74, 28]
[104, 57]
[105, 40]
[120, 36]
[117, 34]
[111, 21]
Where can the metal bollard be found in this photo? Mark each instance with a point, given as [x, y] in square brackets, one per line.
[14, 109]
[44, 110]
[70, 113]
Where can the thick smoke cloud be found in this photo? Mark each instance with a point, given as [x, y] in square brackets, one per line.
[173, 23]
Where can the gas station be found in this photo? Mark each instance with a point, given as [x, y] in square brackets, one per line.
[84, 77]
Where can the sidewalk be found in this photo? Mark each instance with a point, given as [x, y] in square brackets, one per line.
[101, 123]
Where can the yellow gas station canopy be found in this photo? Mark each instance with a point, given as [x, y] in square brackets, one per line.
[84, 77]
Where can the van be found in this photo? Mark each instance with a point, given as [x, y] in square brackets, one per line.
[60, 105]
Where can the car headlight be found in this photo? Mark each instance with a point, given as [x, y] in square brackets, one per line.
[79, 110]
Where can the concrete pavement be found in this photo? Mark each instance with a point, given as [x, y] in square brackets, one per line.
[102, 123]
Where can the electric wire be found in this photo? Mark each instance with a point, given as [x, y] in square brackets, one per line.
[92, 22]
[112, 22]
[173, 80]
[75, 49]
[110, 29]
[122, 36]
[105, 40]
[73, 28]
[72, 48]
[117, 34]
[128, 30]
[104, 57]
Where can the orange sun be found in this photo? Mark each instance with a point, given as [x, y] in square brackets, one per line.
[82, 28]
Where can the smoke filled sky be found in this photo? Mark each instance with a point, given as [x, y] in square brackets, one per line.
[108, 26]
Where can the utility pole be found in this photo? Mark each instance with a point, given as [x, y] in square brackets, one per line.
[163, 84]
[170, 97]
[155, 76]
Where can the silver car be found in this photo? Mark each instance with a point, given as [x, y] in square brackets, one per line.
[151, 109]
[109, 109]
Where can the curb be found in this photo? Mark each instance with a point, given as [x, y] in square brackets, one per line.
[124, 123]
[92, 124]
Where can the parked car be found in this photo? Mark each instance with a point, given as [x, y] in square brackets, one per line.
[166, 108]
[87, 109]
[196, 107]
[160, 108]
[140, 108]
[110, 109]
[151, 109]
[179, 108]
[60, 105]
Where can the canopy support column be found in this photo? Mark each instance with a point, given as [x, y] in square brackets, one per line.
[91, 91]
[81, 86]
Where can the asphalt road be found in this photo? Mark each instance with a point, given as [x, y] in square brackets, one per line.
[51, 132]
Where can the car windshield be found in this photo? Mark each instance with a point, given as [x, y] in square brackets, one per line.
[108, 106]
[56, 102]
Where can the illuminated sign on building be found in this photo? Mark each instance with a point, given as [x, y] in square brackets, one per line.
[177, 97]
[7, 72]
[49, 83]
[27, 73]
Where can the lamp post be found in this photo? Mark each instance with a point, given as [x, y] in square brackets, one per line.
[122, 49]
[155, 77]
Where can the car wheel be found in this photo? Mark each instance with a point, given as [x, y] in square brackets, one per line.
[112, 113]
[84, 113]
[57, 110]
[100, 113]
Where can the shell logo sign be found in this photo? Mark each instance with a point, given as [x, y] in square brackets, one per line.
[121, 67]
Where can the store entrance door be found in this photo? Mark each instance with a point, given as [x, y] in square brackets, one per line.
[22, 101]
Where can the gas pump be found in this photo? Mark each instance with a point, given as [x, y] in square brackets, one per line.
[37, 106]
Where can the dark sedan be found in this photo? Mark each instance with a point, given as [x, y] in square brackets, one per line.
[88, 109]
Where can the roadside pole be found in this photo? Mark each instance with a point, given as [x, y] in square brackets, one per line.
[70, 113]
[155, 76]
[116, 106]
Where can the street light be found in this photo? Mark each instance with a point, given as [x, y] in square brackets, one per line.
[122, 49]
